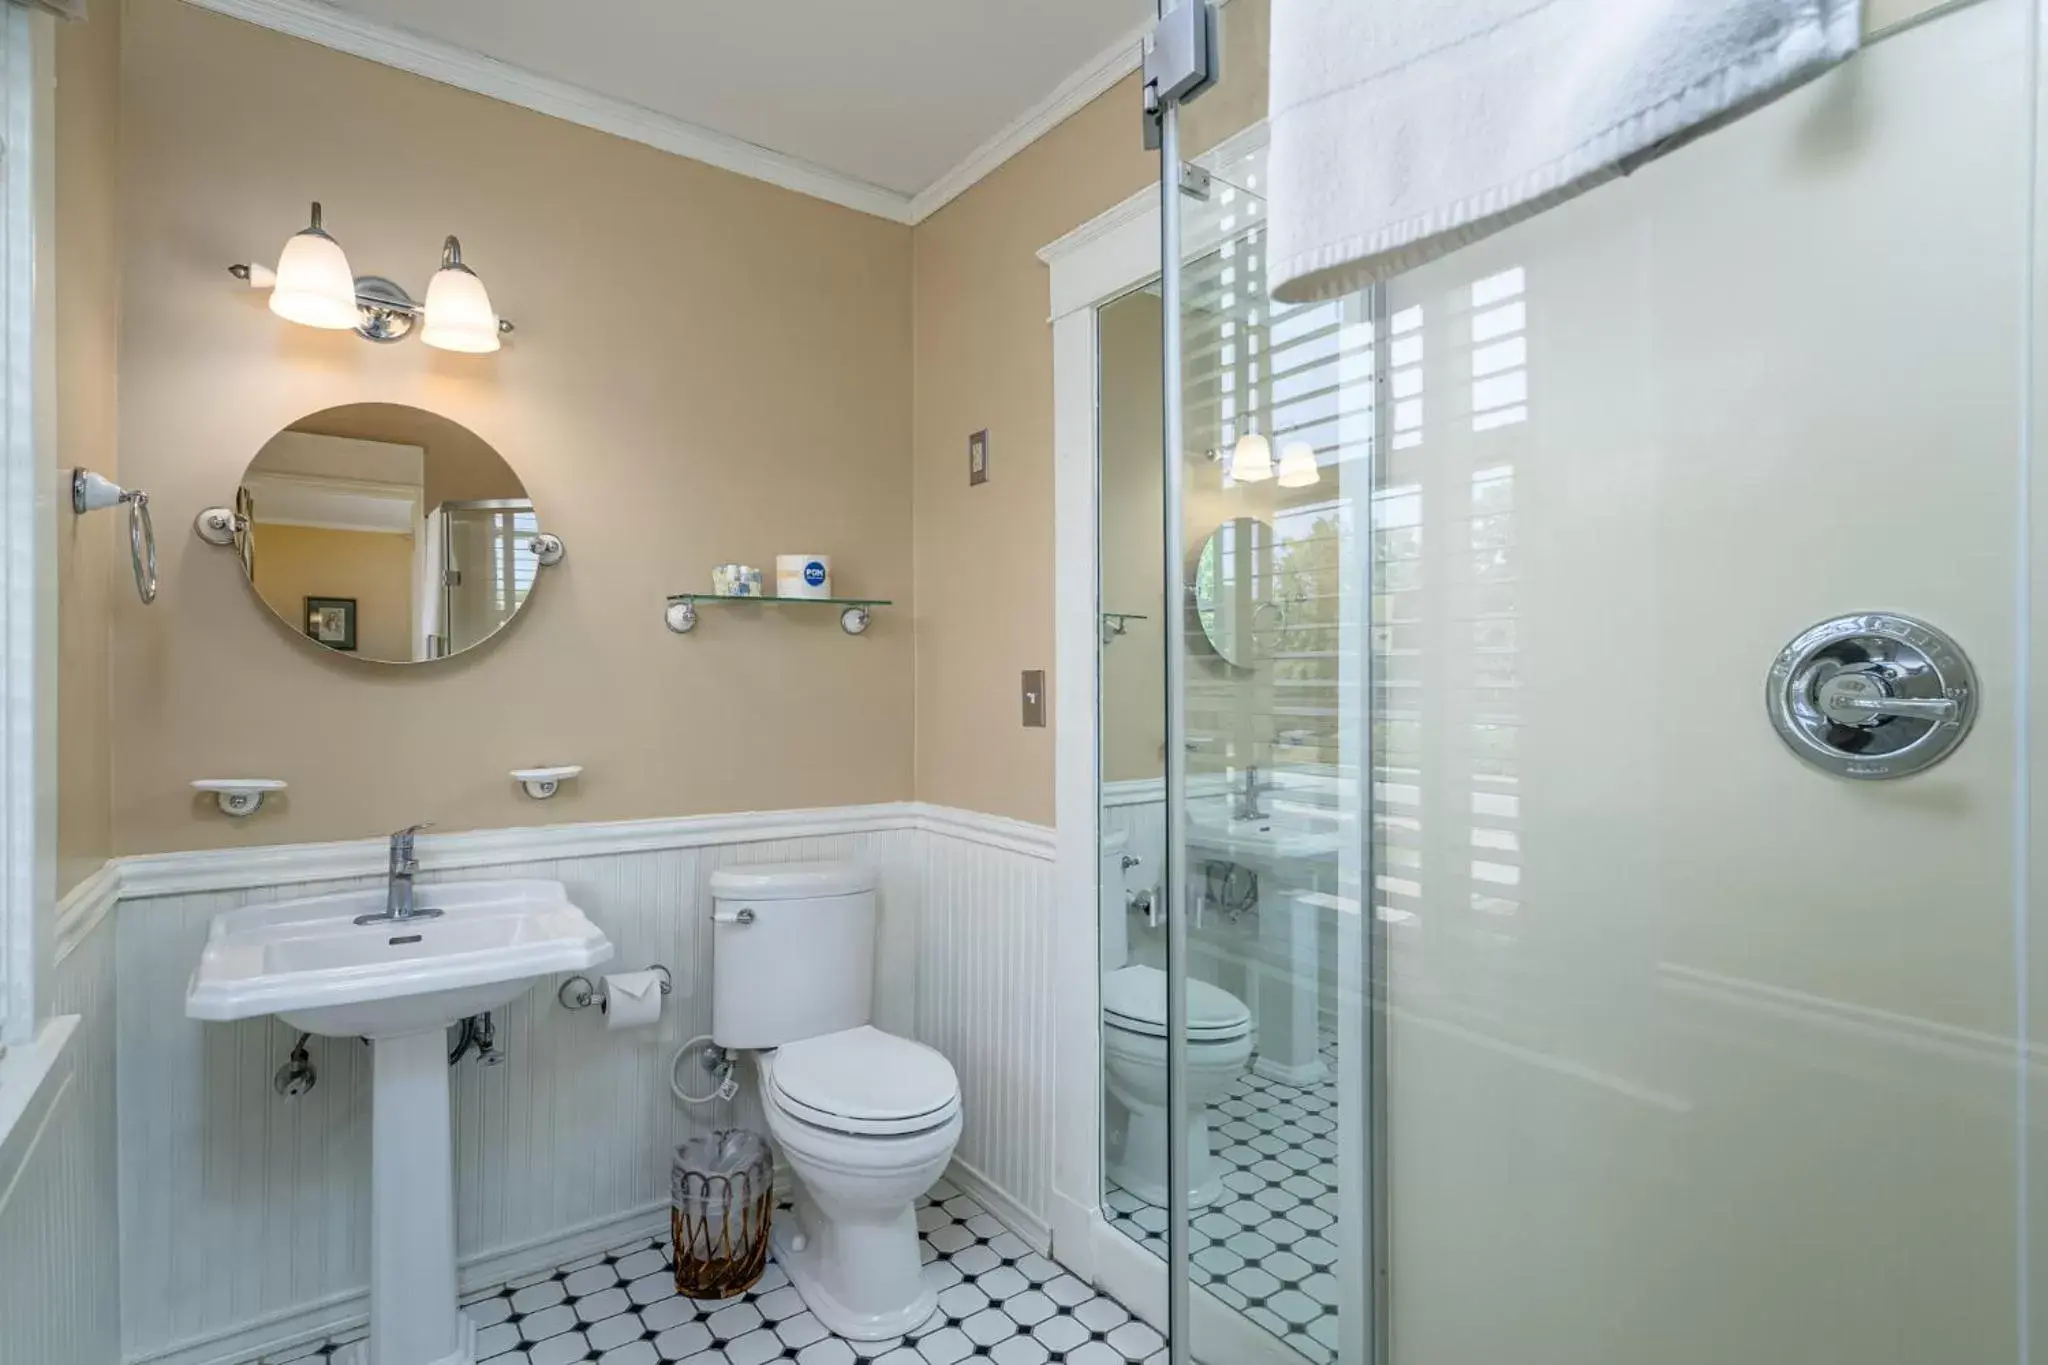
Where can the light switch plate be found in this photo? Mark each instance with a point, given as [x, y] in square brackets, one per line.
[1034, 698]
[977, 457]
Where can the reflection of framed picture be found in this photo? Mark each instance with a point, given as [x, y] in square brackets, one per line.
[331, 621]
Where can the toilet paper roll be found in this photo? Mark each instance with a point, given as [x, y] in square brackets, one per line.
[632, 1000]
[803, 575]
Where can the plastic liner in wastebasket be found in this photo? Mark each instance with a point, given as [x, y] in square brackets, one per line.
[722, 1193]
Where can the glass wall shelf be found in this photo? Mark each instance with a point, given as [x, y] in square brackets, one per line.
[681, 614]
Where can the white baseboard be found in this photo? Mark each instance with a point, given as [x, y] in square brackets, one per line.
[480, 1271]
[1006, 1209]
[1073, 1235]
[1308, 1073]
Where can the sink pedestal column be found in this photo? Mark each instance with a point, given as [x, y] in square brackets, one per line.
[1287, 992]
[414, 1319]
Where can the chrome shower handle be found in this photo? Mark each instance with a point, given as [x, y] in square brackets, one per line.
[1940, 711]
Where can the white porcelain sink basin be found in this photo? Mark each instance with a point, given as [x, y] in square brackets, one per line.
[399, 983]
[309, 962]
[1270, 842]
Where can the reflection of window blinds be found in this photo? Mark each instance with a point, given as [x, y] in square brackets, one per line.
[1446, 705]
[1296, 374]
[512, 561]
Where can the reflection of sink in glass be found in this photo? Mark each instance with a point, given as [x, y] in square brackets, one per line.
[1267, 844]
[1294, 849]
[399, 983]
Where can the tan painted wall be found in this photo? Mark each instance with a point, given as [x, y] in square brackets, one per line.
[91, 550]
[707, 369]
[1132, 497]
[984, 359]
[297, 562]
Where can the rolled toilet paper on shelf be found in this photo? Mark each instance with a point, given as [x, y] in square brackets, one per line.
[803, 575]
[632, 1000]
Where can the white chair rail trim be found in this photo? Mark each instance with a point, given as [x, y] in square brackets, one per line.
[142, 876]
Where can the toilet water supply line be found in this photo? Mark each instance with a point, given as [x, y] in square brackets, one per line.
[714, 1059]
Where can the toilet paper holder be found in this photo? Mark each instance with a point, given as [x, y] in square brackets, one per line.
[577, 993]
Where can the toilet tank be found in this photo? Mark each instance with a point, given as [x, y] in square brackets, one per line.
[792, 952]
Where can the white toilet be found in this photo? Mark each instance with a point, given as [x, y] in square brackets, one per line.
[866, 1120]
[1134, 1055]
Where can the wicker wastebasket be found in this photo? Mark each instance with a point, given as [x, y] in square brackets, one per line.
[722, 1193]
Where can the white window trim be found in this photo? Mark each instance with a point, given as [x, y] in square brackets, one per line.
[28, 487]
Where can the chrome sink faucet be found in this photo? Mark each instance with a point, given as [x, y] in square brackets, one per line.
[1249, 793]
[398, 899]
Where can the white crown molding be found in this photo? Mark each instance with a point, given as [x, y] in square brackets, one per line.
[392, 46]
[1100, 74]
[82, 909]
[143, 876]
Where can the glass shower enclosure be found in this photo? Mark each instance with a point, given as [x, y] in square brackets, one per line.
[1564, 753]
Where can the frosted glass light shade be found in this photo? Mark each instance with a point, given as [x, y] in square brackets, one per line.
[1298, 466]
[459, 314]
[314, 285]
[1252, 460]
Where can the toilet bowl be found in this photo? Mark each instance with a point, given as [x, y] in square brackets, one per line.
[866, 1120]
[1134, 1064]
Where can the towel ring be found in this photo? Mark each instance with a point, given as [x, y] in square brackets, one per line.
[90, 492]
[142, 546]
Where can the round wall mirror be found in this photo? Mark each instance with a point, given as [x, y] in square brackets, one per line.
[1235, 594]
[387, 533]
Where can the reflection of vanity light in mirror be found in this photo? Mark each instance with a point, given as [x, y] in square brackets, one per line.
[541, 783]
[314, 286]
[384, 532]
[1251, 461]
[239, 796]
[1298, 467]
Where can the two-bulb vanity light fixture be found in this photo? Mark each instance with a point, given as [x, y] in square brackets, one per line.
[314, 286]
[1251, 461]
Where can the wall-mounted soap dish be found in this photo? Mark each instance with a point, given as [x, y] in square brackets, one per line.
[239, 796]
[541, 783]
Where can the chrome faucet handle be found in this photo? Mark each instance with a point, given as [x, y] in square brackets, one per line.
[1937, 709]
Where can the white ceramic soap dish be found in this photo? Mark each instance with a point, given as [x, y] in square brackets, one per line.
[541, 783]
[239, 796]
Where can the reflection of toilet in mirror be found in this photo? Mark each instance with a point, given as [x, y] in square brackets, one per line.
[1134, 1055]
[386, 532]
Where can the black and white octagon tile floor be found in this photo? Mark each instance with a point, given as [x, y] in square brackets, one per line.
[1267, 1248]
[998, 1301]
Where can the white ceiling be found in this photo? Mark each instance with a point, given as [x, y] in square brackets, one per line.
[893, 93]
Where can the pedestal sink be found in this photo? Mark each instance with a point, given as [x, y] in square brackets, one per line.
[400, 984]
[1294, 851]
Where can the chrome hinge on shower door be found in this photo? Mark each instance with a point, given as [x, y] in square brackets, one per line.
[1183, 56]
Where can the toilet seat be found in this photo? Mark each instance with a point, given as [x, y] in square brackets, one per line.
[861, 1082]
[1134, 1000]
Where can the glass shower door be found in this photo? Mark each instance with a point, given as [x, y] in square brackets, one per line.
[488, 567]
[1651, 1037]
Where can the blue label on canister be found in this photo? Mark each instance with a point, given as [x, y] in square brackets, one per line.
[814, 573]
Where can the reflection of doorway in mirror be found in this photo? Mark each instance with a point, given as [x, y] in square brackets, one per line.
[409, 515]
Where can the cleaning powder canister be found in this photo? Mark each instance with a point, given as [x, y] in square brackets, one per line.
[803, 576]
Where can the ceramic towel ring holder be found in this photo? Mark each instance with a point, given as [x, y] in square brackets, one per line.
[91, 493]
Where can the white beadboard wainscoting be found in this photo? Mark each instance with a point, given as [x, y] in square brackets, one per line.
[242, 1214]
[58, 1229]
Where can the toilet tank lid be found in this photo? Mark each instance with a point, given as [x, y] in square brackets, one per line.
[791, 881]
